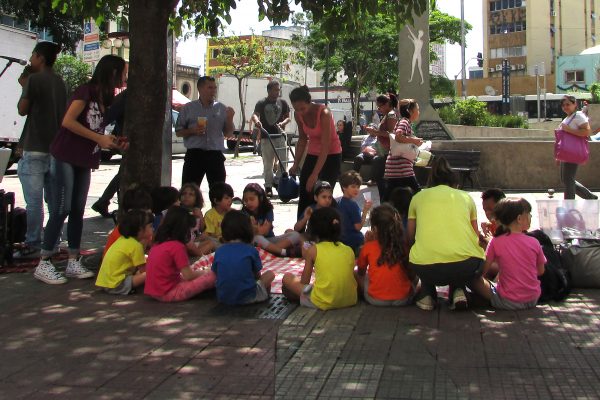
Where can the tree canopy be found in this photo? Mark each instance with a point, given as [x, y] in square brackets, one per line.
[255, 57]
[66, 29]
[149, 21]
[368, 54]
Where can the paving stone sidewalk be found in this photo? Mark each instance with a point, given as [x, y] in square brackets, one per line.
[74, 342]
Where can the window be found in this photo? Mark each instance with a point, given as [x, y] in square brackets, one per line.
[574, 76]
[518, 3]
[215, 53]
[511, 3]
[186, 88]
[504, 4]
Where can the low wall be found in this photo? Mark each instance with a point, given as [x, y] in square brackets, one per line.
[523, 165]
[514, 164]
[486, 132]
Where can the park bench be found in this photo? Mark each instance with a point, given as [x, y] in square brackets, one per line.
[464, 162]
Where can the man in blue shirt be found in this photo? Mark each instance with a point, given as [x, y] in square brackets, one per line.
[203, 125]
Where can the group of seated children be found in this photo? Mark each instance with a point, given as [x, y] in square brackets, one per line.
[332, 246]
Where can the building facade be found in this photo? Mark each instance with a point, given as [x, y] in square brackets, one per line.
[290, 72]
[532, 34]
[438, 67]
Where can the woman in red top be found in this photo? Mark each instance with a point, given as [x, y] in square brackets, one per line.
[324, 154]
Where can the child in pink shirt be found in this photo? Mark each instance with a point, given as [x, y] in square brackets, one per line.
[169, 277]
[519, 257]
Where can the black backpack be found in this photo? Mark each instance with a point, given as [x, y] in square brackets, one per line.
[556, 281]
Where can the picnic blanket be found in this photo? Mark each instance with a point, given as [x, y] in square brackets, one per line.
[279, 265]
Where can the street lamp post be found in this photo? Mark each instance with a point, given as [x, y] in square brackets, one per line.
[462, 49]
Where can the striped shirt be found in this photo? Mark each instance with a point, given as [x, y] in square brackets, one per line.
[396, 166]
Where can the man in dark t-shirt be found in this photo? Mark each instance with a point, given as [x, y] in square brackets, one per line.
[43, 101]
[272, 114]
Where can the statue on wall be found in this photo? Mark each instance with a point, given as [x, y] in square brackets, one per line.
[417, 58]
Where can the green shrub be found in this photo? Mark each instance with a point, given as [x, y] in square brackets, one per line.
[474, 113]
[73, 71]
[595, 92]
[448, 115]
[471, 112]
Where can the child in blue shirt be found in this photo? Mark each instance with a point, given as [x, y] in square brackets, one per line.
[352, 217]
[237, 264]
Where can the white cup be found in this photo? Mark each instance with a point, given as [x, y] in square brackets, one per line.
[367, 196]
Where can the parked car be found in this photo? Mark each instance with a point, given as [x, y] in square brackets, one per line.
[177, 146]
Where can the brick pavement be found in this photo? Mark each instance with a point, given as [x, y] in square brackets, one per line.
[73, 341]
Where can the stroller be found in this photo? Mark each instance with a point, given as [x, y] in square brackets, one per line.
[287, 187]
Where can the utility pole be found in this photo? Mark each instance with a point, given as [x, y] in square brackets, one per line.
[462, 48]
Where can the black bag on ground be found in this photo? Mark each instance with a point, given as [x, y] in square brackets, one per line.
[556, 281]
[582, 259]
[18, 223]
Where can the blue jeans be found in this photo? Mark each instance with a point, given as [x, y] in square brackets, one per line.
[34, 174]
[69, 195]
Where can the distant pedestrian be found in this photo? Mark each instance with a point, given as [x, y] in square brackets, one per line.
[203, 125]
[115, 114]
[317, 136]
[386, 106]
[272, 114]
[577, 124]
[43, 101]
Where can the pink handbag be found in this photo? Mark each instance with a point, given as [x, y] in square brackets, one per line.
[571, 148]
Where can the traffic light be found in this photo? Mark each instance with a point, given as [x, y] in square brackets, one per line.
[479, 60]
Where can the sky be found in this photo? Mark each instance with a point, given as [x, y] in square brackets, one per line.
[245, 19]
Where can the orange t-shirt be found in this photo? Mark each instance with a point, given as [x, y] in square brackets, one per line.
[385, 282]
[112, 237]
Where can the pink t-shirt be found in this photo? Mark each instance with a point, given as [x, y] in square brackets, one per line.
[165, 260]
[314, 135]
[518, 256]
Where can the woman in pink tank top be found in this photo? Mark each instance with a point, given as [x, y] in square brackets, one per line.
[317, 136]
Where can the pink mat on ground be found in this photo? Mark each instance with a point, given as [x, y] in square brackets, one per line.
[279, 265]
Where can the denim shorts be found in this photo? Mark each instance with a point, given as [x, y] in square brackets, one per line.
[305, 297]
[261, 294]
[124, 288]
[504, 304]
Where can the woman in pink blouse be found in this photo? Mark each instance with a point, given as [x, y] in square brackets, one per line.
[317, 136]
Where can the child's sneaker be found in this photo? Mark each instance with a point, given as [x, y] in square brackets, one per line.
[46, 272]
[459, 300]
[76, 270]
[426, 303]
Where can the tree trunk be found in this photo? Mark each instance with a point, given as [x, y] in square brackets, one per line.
[147, 91]
[243, 124]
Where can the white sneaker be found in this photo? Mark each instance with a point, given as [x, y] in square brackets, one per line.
[46, 272]
[76, 270]
[426, 303]
[459, 300]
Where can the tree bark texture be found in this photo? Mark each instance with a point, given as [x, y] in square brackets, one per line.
[147, 92]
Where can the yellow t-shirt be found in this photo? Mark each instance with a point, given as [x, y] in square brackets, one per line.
[213, 220]
[121, 257]
[444, 231]
[334, 286]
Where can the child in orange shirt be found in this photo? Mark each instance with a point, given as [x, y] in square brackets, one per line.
[382, 276]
